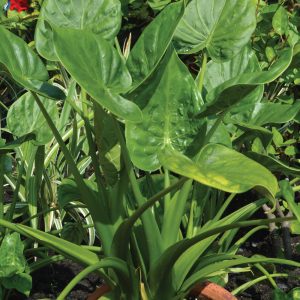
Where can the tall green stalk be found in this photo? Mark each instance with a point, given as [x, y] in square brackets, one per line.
[101, 222]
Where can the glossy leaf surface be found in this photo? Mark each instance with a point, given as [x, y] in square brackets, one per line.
[33, 121]
[153, 43]
[223, 169]
[24, 65]
[234, 90]
[103, 75]
[101, 17]
[223, 27]
[219, 72]
[168, 117]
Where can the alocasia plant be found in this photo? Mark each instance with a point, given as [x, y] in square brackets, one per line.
[159, 117]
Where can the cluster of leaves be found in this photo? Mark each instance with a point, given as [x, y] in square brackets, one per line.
[131, 149]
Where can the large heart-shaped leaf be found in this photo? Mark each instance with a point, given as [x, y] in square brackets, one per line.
[33, 121]
[234, 90]
[221, 168]
[153, 43]
[102, 17]
[98, 68]
[168, 116]
[223, 27]
[24, 65]
[219, 72]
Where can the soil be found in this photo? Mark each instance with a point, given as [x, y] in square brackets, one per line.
[263, 290]
[50, 281]
[60, 274]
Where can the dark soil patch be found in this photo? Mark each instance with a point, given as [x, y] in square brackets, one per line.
[263, 290]
[50, 281]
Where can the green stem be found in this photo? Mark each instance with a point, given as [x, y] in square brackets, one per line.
[45, 262]
[106, 263]
[248, 285]
[166, 185]
[93, 151]
[296, 188]
[213, 129]
[295, 180]
[157, 197]
[150, 226]
[202, 72]
[173, 216]
[266, 273]
[1, 186]
[224, 206]
[105, 231]
[65, 150]
[18, 19]
[16, 187]
[65, 137]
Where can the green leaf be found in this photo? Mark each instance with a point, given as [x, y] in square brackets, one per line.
[219, 72]
[221, 168]
[168, 116]
[101, 17]
[69, 192]
[290, 150]
[280, 295]
[153, 43]
[73, 232]
[269, 113]
[21, 282]
[106, 139]
[12, 260]
[273, 164]
[33, 121]
[66, 248]
[209, 271]
[223, 27]
[295, 227]
[280, 21]
[191, 257]
[98, 68]
[295, 293]
[234, 90]
[24, 65]
[251, 132]
[158, 4]
[9, 147]
[288, 194]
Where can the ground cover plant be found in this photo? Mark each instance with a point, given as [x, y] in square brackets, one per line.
[131, 132]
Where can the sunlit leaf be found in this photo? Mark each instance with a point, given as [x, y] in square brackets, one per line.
[222, 27]
[24, 65]
[101, 17]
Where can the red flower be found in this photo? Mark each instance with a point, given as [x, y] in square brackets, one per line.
[19, 5]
